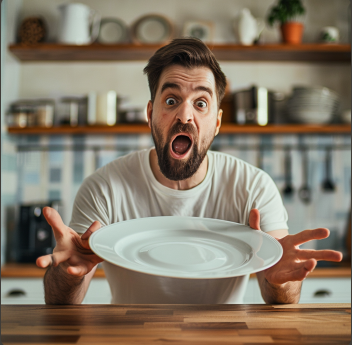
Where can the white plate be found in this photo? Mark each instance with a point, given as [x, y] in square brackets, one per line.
[151, 29]
[112, 31]
[186, 247]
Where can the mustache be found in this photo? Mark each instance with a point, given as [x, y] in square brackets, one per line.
[183, 128]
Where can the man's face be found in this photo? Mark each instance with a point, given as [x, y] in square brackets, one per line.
[184, 119]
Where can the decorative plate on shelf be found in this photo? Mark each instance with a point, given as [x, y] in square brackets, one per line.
[152, 29]
[186, 247]
[199, 29]
[112, 31]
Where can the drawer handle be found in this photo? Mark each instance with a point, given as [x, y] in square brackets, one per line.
[16, 293]
[322, 293]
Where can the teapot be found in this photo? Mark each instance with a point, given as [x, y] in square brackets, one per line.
[248, 28]
[75, 23]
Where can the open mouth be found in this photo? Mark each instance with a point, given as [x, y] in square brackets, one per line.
[180, 145]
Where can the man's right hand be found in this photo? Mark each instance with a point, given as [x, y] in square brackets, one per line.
[71, 251]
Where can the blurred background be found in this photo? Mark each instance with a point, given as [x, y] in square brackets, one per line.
[74, 97]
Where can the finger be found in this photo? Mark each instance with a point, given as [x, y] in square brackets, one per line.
[85, 237]
[325, 255]
[43, 261]
[94, 227]
[298, 274]
[54, 220]
[308, 235]
[53, 259]
[81, 269]
[254, 219]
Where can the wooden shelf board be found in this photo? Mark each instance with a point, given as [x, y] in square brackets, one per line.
[226, 128]
[14, 270]
[224, 52]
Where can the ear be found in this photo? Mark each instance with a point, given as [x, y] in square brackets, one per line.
[218, 121]
[150, 113]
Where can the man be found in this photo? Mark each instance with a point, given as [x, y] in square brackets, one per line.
[178, 177]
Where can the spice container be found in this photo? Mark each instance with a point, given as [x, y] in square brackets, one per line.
[29, 113]
[71, 110]
[17, 115]
[45, 113]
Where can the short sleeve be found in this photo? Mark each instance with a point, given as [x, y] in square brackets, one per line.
[267, 199]
[91, 204]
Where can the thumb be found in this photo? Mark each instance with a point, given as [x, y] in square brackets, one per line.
[254, 219]
[85, 237]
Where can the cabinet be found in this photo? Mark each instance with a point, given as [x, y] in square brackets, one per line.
[31, 291]
[314, 290]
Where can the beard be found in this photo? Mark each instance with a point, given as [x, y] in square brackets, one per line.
[180, 169]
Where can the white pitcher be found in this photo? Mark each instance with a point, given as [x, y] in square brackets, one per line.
[248, 27]
[75, 23]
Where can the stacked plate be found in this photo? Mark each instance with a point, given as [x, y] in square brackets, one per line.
[316, 105]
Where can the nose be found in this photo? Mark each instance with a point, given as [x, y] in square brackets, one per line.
[185, 113]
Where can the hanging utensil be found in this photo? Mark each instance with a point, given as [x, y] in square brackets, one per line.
[288, 189]
[328, 184]
[305, 193]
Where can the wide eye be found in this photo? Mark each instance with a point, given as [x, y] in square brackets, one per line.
[201, 104]
[171, 101]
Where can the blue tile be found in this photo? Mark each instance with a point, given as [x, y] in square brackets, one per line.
[342, 215]
[55, 175]
[78, 174]
[56, 157]
[32, 178]
[78, 165]
[8, 199]
[33, 139]
[8, 162]
[54, 195]
[347, 179]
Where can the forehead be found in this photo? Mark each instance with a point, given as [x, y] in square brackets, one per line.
[188, 77]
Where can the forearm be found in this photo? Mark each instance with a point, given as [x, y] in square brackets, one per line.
[288, 293]
[63, 288]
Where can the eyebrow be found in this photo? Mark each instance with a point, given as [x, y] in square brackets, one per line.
[168, 85]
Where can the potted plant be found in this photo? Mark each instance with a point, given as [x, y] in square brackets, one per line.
[286, 12]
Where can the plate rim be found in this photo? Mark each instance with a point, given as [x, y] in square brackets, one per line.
[169, 25]
[262, 233]
[122, 24]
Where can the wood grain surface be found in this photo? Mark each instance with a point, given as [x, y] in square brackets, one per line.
[176, 324]
[225, 52]
[226, 128]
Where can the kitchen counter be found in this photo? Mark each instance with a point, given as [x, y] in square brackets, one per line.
[176, 324]
[14, 270]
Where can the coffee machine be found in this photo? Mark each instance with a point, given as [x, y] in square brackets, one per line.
[34, 235]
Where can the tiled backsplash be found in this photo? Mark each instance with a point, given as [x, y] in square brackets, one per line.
[58, 174]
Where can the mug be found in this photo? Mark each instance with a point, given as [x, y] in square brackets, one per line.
[75, 23]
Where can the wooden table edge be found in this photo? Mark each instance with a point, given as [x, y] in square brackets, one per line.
[14, 270]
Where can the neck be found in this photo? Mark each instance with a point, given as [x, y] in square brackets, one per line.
[189, 183]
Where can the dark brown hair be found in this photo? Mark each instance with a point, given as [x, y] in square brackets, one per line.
[187, 52]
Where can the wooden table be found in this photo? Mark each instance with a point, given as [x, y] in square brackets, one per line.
[176, 324]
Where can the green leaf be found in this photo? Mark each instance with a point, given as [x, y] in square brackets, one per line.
[285, 10]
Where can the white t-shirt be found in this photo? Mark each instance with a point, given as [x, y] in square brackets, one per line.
[127, 189]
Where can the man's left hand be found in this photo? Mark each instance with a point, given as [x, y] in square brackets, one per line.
[295, 263]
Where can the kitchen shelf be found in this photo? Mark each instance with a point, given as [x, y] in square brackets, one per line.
[313, 52]
[15, 270]
[226, 128]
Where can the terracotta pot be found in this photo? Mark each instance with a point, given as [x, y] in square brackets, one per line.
[292, 32]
